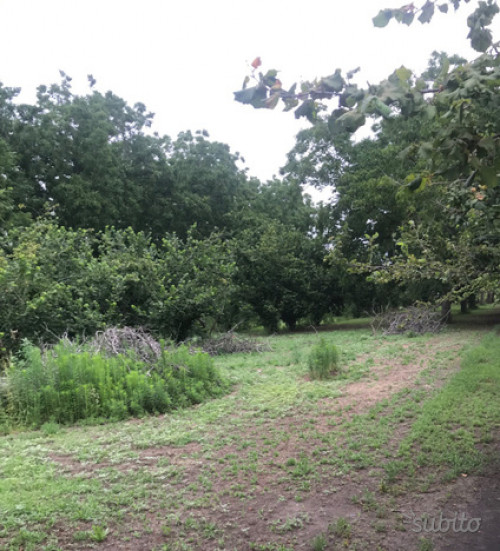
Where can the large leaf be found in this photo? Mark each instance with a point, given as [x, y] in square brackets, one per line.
[347, 122]
[403, 74]
[382, 18]
[480, 39]
[391, 91]
[333, 83]
[405, 16]
[489, 175]
[427, 12]
[256, 96]
[306, 109]
[269, 79]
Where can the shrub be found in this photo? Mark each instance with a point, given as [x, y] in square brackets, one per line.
[67, 383]
[323, 360]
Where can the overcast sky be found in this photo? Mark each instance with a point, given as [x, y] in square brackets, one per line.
[184, 59]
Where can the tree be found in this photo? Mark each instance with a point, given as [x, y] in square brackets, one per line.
[207, 183]
[459, 150]
[75, 154]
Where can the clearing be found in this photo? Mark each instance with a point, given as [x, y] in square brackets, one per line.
[369, 461]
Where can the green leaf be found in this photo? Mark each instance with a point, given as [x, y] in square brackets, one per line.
[382, 18]
[391, 91]
[405, 16]
[427, 12]
[403, 74]
[480, 39]
[348, 122]
[333, 83]
[256, 96]
[488, 144]
[443, 8]
[269, 79]
[290, 103]
[420, 84]
[306, 109]
[415, 183]
[350, 74]
[489, 176]
[430, 112]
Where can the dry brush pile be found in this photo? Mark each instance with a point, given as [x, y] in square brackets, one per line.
[415, 319]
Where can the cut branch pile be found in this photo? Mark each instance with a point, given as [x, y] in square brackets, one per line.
[114, 341]
[415, 319]
[230, 343]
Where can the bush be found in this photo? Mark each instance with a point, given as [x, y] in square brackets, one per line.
[323, 360]
[67, 383]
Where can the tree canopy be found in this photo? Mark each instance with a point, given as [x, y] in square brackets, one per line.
[420, 199]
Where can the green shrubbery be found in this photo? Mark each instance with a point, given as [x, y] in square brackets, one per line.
[65, 384]
[323, 360]
[55, 280]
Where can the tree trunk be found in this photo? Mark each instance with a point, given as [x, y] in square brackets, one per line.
[472, 302]
[446, 311]
[464, 306]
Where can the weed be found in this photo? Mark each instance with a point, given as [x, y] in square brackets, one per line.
[319, 543]
[302, 467]
[341, 528]
[68, 383]
[323, 360]
[99, 533]
[50, 428]
[425, 544]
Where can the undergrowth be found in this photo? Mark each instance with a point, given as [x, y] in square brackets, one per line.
[65, 384]
[323, 360]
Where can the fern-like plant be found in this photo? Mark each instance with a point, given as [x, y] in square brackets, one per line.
[323, 361]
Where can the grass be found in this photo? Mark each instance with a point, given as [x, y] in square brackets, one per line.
[252, 466]
[461, 416]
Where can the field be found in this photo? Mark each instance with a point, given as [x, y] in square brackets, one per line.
[409, 431]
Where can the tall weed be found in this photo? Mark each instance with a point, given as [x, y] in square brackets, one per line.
[323, 360]
[65, 384]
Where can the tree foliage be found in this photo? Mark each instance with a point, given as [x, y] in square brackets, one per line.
[480, 35]
[419, 202]
[55, 280]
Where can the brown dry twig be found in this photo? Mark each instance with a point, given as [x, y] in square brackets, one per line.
[415, 319]
[123, 340]
[231, 343]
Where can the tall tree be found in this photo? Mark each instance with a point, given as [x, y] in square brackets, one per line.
[453, 107]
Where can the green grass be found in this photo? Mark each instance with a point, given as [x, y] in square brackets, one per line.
[278, 439]
[453, 424]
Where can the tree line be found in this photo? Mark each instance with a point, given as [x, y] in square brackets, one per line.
[418, 204]
[104, 222]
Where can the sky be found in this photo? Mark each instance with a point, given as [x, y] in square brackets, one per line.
[184, 58]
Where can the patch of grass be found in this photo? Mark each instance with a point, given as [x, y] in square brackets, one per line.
[99, 533]
[341, 528]
[50, 428]
[319, 543]
[425, 544]
[451, 424]
[323, 360]
[68, 383]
